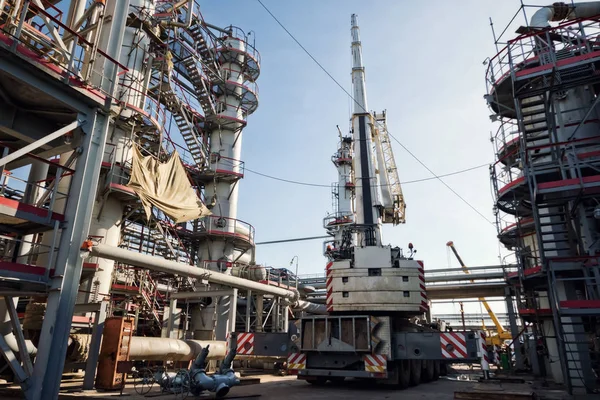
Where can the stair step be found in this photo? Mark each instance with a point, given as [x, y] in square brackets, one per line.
[536, 138]
[533, 103]
[534, 121]
[535, 130]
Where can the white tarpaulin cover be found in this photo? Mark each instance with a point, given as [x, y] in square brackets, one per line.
[165, 186]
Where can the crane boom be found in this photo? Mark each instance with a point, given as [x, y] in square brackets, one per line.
[499, 328]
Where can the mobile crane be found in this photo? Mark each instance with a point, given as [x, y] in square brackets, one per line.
[375, 294]
[502, 334]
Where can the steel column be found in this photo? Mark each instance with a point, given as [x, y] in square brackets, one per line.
[248, 310]
[233, 310]
[15, 365]
[514, 330]
[16, 326]
[64, 286]
[259, 306]
[94, 352]
[172, 306]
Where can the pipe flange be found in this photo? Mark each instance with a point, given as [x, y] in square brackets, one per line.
[561, 11]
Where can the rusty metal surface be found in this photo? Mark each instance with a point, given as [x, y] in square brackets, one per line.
[115, 348]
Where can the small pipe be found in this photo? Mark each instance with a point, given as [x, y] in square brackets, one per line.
[200, 362]
[231, 354]
[216, 28]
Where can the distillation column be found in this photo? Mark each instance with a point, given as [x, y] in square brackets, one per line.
[232, 241]
[343, 192]
[108, 212]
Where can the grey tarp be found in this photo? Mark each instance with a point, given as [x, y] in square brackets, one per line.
[165, 186]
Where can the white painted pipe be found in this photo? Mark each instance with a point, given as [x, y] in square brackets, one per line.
[310, 307]
[160, 349]
[562, 11]
[172, 267]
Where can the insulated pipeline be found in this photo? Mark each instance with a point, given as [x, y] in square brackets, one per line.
[172, 267]
[561, 11]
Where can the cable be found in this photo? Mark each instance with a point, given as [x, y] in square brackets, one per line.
[329, 186]
[347, 93]
[444, 183]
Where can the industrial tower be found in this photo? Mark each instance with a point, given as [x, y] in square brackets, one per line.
[543, 89]
[121, 132]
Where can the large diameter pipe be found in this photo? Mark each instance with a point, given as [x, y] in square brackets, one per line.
[310, 307]
[562, 11]
[160, 349]
[172, 267]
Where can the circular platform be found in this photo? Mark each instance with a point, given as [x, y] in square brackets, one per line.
[249, 58]
[513, 198]
[511, 235]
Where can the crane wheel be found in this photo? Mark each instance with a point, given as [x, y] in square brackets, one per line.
[403, 370]
[415, 372]
[318, 381]
[428, 371]
[436, 370]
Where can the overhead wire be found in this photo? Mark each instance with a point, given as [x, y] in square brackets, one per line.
[355, 101]
[231, 163]
[462, 171]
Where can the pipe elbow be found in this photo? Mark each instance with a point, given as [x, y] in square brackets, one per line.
[542, 17]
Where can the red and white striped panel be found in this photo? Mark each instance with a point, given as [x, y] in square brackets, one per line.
[424, 302]
[485, 359]
[245, 343]
[375, 362]
[453, 345]
[329, 286]
[296, 361]
[496, 355]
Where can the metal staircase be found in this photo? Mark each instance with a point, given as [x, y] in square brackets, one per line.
[571, 318]
[201, 87]
[207, 54]
[187, 120]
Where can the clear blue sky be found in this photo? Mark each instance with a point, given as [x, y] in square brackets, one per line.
[423, 64]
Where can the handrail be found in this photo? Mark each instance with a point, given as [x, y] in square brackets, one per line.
[80, 38]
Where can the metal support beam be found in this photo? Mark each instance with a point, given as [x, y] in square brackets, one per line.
[18, 332]
[514, 330]
[172, 306]
[94, 352]
[259, 312]
[233, 309]
[248, 310]
[11, 359]
[38, 143]
[62, 295]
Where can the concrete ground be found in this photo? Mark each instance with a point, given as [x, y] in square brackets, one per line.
[290, 388]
